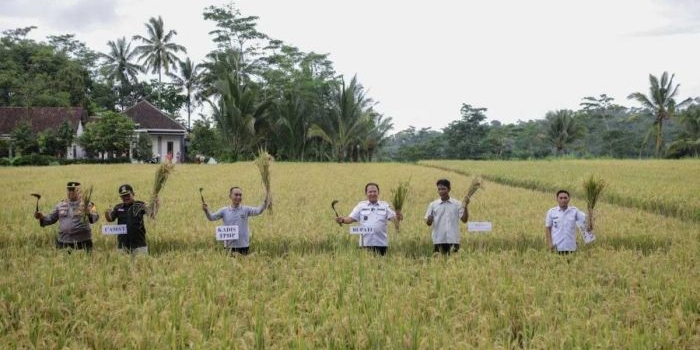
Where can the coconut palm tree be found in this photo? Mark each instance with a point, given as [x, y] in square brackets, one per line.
[158, 51]
[189, 80]
[350, 119]
[118, 62]
[661, 102]
[562, 129]
[240, 115]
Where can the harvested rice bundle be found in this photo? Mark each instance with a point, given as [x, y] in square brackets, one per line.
[162, 174]
[593, 186]
[398, 199]
[263, 162]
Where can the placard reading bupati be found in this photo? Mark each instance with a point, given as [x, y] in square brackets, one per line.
[225, 233]
[476, 226]
[114, 229]
[359, 230]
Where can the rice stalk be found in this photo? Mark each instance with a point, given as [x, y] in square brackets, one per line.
[263, 162]
[474, 186]
[398, 198]
[161, 177]
[86, 200]
[593, 186]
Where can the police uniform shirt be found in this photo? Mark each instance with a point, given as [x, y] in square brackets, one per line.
[237, 217]
[131, 215]
[446, 215]
[375, 216]
[563, 224]
[73, 226]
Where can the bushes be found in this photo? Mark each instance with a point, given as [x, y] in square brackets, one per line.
[43, 160]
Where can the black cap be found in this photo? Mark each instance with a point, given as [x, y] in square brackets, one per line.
[73, 184]
[125, 189]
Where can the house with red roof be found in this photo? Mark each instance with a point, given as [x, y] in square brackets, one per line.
[42, 119]
[167, 135]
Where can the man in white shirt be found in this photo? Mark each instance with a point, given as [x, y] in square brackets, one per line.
[373, 214]
[560, 225]
[443, 215]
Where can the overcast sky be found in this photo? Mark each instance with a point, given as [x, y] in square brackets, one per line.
[422, 59]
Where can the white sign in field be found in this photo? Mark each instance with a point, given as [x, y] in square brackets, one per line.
[359, 230]
[476, 226]
[114, 229]
[588, 236]
[225, 233]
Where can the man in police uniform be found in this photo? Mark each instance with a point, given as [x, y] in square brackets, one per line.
[373, 214]
[74, 218]
[130, 213]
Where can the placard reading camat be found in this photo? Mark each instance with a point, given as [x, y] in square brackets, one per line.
[114, 229]
[476, 226]
[359, 230]
[225, 233]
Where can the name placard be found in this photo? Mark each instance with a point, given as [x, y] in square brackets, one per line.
[588, 236]
[476, 226]
[114, 229]
[359, 230]
[225, 233]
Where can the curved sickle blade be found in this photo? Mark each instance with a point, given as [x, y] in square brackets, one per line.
[333, 203]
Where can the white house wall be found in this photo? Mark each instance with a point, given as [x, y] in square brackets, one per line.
[160, 146]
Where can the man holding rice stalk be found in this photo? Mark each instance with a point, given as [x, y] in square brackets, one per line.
[560, 225]
[74, 216]
[237, 215]
[444, 215]
[130, 213]
[373, 214]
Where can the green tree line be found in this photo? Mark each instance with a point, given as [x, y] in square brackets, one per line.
[263, 92]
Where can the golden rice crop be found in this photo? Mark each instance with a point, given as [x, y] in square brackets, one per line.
[307, 285]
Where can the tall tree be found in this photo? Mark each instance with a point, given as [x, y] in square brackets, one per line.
[158, 51]
[119, 66]
[661, 102]
[464, 137]
[349, 119]
[188, 80]
[240, 115]
[112, 134]
[562, 129]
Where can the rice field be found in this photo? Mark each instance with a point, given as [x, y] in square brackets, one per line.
[668, 187]
[306, 285]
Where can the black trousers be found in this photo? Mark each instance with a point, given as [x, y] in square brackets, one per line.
[445, 248]
[86, 245]
[377, 250]
[242, 251]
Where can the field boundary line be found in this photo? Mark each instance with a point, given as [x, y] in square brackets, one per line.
[654, 207]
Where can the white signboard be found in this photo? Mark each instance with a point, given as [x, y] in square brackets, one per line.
[588, 236]
[225, 233]
[113, 229]
[359, 230]
[475, 226]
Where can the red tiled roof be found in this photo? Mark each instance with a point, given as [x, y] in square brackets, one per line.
[41, 118]
[147, 116]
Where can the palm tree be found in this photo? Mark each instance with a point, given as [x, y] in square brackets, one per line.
[239, 115]
[562, 129]
[158, 52]
[118, 66]
[377, 135]
[190, 81]
[661, 101]
[350, 119]
[688, 144]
